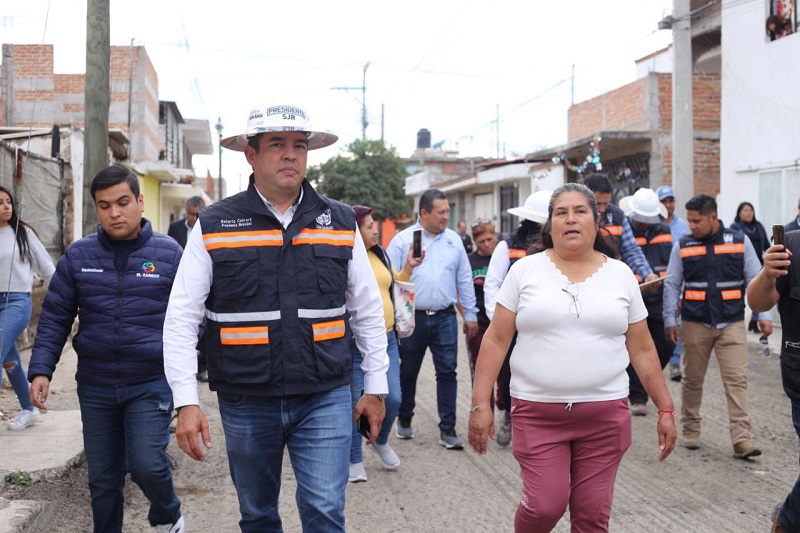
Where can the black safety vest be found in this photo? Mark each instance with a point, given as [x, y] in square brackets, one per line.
[611, 224]
[656, 245]
[789, 309]
[516, 249]
[276, 318]
[713, 274]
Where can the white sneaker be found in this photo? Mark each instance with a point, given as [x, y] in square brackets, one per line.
[357, 473]
[386, 454]
[23, 419]
[177, 527]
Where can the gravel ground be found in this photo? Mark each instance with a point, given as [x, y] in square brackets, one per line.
[439, 490]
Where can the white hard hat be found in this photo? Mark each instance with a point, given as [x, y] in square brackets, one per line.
[279, 118]
[534, 208]
[645, 207]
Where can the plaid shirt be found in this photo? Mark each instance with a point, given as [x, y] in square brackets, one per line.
[631, 252]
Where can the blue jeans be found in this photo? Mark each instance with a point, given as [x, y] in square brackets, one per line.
[316, 429]
[14, 318]
[126, 429]
[790, 511]
[392, 401]
[439, 333]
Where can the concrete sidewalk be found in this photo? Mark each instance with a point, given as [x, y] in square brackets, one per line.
[44, 450]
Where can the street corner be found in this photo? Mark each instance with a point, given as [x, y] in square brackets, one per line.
[44, 450]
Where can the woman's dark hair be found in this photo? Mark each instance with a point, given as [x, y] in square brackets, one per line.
[739, 211]
[114, 175]
[602, 243]
[18, 227]
[361, 213]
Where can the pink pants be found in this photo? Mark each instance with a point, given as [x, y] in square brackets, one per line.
[568, 455]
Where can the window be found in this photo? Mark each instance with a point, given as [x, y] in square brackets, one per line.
[782, 20]
[509, 197]
[778, 193]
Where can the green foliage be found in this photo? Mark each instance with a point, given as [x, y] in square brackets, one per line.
[18, 478]
[371, 174]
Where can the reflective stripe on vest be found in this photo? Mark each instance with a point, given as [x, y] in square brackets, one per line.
[661, 238]
[325, 236]
[614, 231]
[242, 239]
[321, 313]
[731, 295]
[641, 241]
[261, 316]
[246, 335]
[733, 248]
[516, 253]
[695, 295]
[691, 251]
[328, 330]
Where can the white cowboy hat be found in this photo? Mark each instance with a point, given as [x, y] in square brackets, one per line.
[279, 118]
[534, 208]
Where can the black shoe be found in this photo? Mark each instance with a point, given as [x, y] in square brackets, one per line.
[202, 376]
[753, 326]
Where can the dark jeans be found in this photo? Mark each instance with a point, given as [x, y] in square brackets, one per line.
[790, 511]
[664, 347]
[126, 429]
[438, 332]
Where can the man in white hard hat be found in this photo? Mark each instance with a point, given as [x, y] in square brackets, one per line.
[646, 215]
[283, 278]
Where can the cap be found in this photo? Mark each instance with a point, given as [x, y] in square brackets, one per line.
[665, 191]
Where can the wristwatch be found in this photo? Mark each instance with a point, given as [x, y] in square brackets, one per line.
[381, 397]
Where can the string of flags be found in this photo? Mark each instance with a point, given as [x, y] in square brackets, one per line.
[592, 162]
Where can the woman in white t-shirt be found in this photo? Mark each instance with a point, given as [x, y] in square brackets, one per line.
[580, 320]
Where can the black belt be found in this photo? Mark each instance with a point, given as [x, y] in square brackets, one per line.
[430, 312]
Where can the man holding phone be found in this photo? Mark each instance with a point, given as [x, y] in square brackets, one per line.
[441, 281]
[779, 282]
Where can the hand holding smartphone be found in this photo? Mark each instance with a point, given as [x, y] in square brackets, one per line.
[777, 235]
[363, 426]
[417, 245]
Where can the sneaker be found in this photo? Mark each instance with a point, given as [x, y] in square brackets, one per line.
[23, 419]
[357, 473]
[638, 409]
[504, 431]
[386, 454]
[691, 441]
[202, 376]
[404, 429]
[450, 440]
[745, 450]
[675, 373]
[177, 527]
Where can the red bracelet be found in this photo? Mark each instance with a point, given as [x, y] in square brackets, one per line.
[670, 413]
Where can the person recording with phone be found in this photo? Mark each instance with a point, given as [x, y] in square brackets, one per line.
[441, 281]
[779, 283]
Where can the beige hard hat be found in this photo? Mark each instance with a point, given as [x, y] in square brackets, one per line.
[645, 207]
[534, 208]
[279, 118]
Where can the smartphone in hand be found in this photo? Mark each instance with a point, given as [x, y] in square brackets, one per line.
[777, 234]
[417, 251]
[363, 426]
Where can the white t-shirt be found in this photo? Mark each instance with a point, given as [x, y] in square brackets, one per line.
[560, 357]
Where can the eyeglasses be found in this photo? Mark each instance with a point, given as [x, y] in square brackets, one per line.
[480, 222]
[575, 305]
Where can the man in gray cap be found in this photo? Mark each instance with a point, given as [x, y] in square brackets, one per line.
[283, 278]
[678, 228]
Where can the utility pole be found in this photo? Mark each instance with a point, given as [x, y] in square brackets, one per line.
[497, 130]
[363, 88]
[682, 114]
[219, 174]
[96, 102]
[130, 92]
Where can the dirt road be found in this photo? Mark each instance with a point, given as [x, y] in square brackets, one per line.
[439, 490]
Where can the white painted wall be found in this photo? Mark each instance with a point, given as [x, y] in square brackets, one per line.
[760, 114]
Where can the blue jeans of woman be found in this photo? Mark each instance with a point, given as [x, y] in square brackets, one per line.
[789, 516]
[392, 400]
[316, 430]
[126, 429]
[15, 312]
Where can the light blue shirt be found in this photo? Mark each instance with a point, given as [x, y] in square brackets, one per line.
[674, 283]
[444, 277]
[678, 228]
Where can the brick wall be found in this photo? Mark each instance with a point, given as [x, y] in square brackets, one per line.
[706, 166]
[624, 108]
[706, 96]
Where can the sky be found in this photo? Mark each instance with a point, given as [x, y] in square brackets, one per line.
[452, 67]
